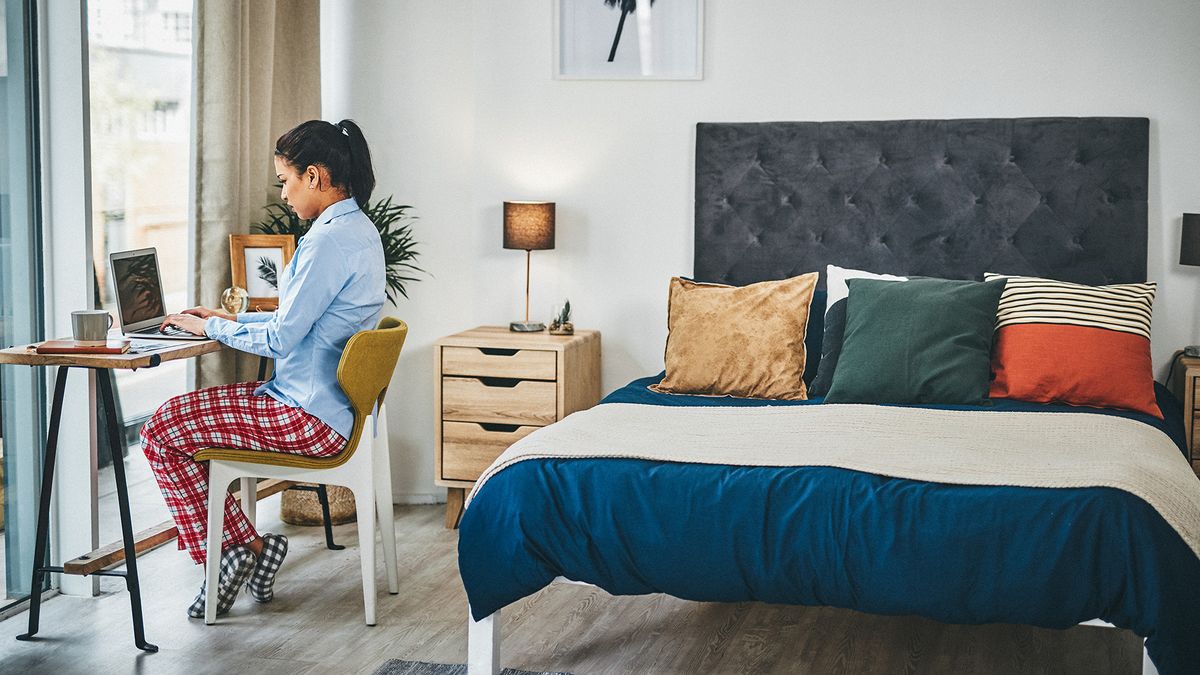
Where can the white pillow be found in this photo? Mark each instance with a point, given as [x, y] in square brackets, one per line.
[835, 282]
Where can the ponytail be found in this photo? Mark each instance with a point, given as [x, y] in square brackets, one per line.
[340, 148]
[362, 175]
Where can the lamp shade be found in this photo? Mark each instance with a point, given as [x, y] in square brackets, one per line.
[1189, 242]
[529, 226]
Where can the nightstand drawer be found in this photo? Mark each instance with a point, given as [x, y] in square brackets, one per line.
[508, 401]
[525, 364]
[469, 448]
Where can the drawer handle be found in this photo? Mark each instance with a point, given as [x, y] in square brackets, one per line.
[506, 382]
[498, 351]
[493, 426]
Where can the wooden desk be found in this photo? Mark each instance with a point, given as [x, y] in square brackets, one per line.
[28, 357]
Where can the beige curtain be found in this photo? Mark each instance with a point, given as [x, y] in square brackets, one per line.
[258, 74]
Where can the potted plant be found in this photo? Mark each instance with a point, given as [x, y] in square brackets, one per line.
[561, 324]
[395, 231]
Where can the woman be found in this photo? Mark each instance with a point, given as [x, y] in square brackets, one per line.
[332, 288]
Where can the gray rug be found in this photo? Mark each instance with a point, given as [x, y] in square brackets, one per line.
[398, 667]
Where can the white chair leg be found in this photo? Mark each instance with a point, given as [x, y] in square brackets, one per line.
[250, 499]
[364, 502]
[382, 475]
[483, 645]
[1148, 667]
[218, 487]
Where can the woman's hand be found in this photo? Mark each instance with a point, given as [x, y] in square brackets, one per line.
[189, 322]
[205, 312]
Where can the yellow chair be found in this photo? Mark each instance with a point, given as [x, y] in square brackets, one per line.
[364, 372]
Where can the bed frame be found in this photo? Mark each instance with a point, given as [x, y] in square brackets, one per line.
[1059, 197]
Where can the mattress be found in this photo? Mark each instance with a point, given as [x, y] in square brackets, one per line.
[1051, 557]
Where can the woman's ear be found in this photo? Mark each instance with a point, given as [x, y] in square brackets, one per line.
[312, 177]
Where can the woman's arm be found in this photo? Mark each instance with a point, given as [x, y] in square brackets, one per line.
[319, 274]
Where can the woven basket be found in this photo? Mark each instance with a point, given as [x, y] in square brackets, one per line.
[301, 507]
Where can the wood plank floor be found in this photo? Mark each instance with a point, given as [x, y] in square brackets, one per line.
[315, 626]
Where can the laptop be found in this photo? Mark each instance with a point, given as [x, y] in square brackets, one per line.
[140, 307]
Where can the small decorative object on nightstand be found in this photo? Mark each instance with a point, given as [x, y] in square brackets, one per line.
[494, 387]
[1185, 379]
[561, 323]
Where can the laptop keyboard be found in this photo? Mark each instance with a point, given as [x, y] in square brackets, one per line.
[168, 330]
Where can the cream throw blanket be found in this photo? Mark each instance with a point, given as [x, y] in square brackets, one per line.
[1027, 449]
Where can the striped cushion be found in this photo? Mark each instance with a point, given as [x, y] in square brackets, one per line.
[1121, 307]
[1076, 344]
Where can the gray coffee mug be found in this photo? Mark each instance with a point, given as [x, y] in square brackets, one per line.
[90, 326]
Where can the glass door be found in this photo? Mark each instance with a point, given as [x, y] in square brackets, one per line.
[22, 390]
[140, 74]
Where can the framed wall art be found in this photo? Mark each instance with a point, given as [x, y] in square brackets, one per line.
[256, 262]
[628, 39]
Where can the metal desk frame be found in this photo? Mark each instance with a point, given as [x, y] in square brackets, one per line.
[27, 356]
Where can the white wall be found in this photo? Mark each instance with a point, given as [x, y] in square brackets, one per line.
[461, 110]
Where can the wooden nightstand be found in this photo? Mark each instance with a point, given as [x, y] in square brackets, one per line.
[493, 387]
[1185, 379]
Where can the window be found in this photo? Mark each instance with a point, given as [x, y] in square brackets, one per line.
[22, 414]
[178, 26]
[140, 71]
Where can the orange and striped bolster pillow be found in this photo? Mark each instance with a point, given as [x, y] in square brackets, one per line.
[1070, 343]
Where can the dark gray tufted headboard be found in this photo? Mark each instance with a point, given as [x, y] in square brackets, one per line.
[1059, 197]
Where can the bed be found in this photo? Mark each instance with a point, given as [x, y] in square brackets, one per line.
[594, 500]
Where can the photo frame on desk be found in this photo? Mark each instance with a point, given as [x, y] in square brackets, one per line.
[255, 262]
[629, 40]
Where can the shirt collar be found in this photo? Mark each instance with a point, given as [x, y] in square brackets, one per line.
[336, 210]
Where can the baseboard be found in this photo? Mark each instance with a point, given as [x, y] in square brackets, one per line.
[418, 499]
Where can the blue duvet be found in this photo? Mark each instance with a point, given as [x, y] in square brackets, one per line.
[824, 536]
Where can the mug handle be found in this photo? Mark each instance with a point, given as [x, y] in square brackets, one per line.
[110, 321]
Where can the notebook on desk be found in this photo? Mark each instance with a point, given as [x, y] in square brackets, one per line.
[73, 347]
[140, 306]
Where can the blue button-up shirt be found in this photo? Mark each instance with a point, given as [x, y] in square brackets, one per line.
[333, 287]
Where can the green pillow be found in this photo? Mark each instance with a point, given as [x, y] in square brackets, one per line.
[923, 341]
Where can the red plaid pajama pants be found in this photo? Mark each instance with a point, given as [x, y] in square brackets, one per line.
[229, 416]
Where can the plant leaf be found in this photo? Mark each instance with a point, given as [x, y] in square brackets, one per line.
[395, 227]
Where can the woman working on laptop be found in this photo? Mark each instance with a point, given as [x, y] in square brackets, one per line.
[332, 288]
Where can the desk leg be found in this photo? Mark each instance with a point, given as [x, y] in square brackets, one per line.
[115, 442]
[43, 523]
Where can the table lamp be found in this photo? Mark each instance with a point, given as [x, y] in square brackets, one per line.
[1189, 254]
[528, 226]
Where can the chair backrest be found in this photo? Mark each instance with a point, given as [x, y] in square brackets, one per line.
[366, 368]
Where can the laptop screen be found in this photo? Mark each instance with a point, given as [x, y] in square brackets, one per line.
[139, 288]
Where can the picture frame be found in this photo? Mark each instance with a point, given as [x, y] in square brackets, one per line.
[264, 256]
[657, 40]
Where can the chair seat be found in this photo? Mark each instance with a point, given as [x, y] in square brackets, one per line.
[273, 458]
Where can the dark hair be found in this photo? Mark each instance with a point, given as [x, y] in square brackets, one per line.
[340, 148]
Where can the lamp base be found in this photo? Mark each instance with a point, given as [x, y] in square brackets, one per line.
[526, 327]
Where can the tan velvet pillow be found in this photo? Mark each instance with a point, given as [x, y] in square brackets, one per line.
[745, 341]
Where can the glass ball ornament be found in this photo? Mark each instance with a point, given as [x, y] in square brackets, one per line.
[235, 299]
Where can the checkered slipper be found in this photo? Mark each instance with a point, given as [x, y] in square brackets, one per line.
[262, 582]
[237, 564]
